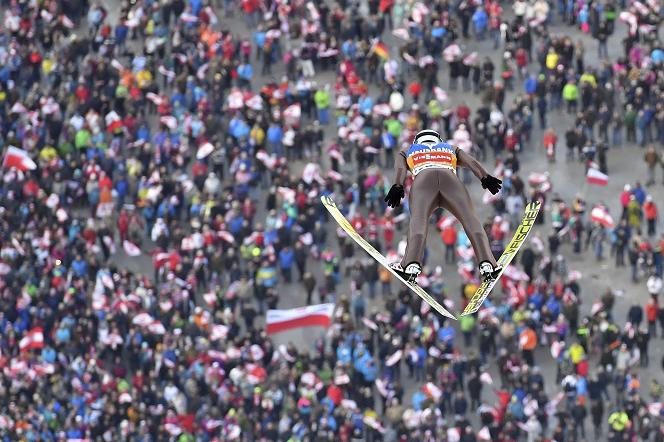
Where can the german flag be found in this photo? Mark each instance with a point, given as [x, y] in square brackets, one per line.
[381, 50]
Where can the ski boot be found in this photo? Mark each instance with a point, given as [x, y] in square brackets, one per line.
[410, 273]
[488, 272]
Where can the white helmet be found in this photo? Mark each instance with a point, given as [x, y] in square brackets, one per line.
[427, 137]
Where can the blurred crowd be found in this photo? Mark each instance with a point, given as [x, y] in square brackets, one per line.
[155, 133]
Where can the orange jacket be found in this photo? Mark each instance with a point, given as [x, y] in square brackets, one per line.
[528, 339]
[651, 311]
[550, 139]
[650, 210]
[449, 235]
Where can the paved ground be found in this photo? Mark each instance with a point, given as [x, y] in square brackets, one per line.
[625, 165]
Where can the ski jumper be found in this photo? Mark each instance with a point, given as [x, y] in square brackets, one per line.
[435, 184]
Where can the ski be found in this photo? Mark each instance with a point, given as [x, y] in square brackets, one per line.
[350, 230]
[532, 209]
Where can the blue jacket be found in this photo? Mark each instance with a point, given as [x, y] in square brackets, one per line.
[480, 19]
[286, 258]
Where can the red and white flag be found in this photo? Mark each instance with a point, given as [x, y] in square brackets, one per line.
[226, 236]
[313, 315]
[484, 433]
[18, 159]
[370, 324]
[130, 248]
[401, 33]
[67, 22]
[157, 328]
[600, 215]
[515, 274]
[34, 339]
[431, 390]
[143, 319]
[336, 176]
[395, 358]
[44, 369]
[166, 73]
[218, 331]
[594, 176]
[6, 422]
[169, 121]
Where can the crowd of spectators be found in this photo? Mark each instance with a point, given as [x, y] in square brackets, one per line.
[152, 133]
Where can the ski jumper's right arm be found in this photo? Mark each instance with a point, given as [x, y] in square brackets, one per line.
[401, 167]
[396, 192]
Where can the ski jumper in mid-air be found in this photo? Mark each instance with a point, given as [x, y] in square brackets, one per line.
[433, 164]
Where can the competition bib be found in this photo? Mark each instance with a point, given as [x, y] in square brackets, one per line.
[440, 156]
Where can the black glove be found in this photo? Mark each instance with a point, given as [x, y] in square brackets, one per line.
[393, 197]
[492, 183]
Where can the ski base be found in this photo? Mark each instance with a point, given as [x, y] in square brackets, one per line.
[350, 230]
[527, 222]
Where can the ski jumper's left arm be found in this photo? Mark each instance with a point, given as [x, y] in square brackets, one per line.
[466, 160]
[491, 183]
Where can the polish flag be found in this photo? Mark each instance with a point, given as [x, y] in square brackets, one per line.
[342, 379]
[600, 215]
[19, 159]
[166, 73]
[370, 324]
[159, 259]
[205, 150]
[226, 236]
[313, 315]
[210, 298]
[594, 176]
[219, 331]
[235, 100]
[381, 386]
[169, 121]
[130, 248]
[44, 369]
[115, 63]
[440, 94]
[157, 328]
[431, 390]
[67, 22]
[255, 103]
[394, 359]
[33, 340]
[401, 33]
[143, 319]
[484, 433]
[515, 274]
[6, 422]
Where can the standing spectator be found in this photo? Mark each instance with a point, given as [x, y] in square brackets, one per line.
[651, 215]
[652, 308]
[579, 414]
[286, 261]
[480, 23]
[322, 99]
[597, 413]
[635, 315]
[570, 95]
[652, 159]
[449, 237]
[309, 282]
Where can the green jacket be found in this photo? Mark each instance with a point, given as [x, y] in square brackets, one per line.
[322, 99]
[570, 92]
[467, 323]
